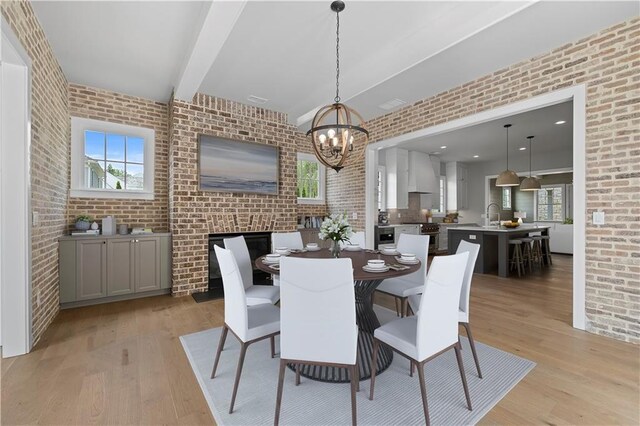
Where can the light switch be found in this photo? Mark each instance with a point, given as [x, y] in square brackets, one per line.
[354, 215]
[598, 218]
[472, 237]
[35, 219]
[399, 215]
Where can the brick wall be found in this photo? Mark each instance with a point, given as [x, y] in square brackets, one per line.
[49, 160]
[99, 104]
[607, 63]
[194, 214]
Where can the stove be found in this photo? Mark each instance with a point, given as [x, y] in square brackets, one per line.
[433, 231]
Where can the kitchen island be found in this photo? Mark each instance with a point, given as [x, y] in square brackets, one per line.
[494, 244]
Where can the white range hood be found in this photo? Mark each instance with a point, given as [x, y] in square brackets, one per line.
[423, 179]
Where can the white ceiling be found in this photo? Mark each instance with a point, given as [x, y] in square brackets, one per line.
[489, 140]
[285, 51]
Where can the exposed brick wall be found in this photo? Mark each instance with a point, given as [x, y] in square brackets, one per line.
[99, 104]
[49, 160]
[195, 214]
[607, 63]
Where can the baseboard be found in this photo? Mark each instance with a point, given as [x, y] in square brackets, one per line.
[110, 299]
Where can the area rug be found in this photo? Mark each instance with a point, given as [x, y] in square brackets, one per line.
[397, 396]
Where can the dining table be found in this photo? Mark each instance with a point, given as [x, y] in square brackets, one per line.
[365, 284]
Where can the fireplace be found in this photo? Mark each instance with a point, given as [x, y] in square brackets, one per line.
[258, 243]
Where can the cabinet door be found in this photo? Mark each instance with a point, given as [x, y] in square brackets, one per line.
[91, 269]
[147, 264]
[120, 266]
[463, 185]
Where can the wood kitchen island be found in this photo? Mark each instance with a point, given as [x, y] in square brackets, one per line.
[494, 244]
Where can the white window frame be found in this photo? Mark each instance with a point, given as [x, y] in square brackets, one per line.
[565, 204]
[510, 206]
[79, 190]
[322, 180]
[442, 186]
[381, 192]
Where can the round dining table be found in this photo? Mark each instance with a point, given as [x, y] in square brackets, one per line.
[365, 283]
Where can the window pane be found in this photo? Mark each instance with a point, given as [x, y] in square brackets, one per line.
[135, 177]
[94, 145]
[506, 198]
[115, 176]
[308, 179]
[135, 149]
[115, 147]
[94, 174]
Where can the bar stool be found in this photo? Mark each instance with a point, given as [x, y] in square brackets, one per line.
[516, 256]
[527, 255]
[546, 250]
[536, 252]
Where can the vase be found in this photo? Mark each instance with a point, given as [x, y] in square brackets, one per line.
[83, 225]
[335, 248]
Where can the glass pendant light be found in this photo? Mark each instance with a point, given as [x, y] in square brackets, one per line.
[530, 183]
[508, 177]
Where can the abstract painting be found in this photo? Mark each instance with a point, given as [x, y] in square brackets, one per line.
[227, 165]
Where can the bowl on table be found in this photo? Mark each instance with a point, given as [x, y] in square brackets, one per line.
[352, 247]
[389, 250]
[272, 258]
[409, 257]
[376, 264]
[312, 247]
[282, 251]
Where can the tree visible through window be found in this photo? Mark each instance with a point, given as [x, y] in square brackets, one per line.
[550, 203]
[506, 198]
[113, 161]
[310, 179]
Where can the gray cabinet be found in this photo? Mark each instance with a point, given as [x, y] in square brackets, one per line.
[100, 269]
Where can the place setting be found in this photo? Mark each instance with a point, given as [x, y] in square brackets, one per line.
[375, 266]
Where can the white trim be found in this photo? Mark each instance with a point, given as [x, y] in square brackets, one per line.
[15, 190]
[78, 127]
[322, 180]
[370, 188]
[575, 93]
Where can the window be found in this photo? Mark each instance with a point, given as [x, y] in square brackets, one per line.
[381, 185]
[311, 180]
[111, 160]
[443, 194]
[506, 198]
[550, 203]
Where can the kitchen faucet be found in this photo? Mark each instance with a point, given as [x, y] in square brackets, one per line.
[488, 208]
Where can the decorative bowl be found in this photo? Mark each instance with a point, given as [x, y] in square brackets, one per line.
[511, 224]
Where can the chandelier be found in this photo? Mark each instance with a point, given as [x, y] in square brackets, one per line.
[333, 132]
[530, 183]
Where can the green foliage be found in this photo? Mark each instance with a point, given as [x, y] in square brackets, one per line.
[308, 179]
[83, 218]
[568, 221]
[115, 172]
[118, 186]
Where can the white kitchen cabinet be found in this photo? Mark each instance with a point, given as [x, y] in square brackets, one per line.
[405, 229]
[457, 186]
[397, 169]
[560, 237]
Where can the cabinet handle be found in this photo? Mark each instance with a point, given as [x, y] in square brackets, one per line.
[104, 242]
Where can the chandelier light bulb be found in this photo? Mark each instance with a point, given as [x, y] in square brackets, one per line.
[322, 138]
[334, 141]
[331, 133]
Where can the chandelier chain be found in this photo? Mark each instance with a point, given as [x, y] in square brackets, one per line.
[337, 98]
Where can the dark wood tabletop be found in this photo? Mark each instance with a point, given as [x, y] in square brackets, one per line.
[358, 258]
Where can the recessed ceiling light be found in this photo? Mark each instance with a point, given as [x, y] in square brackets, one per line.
[435, 152]
[393, 103]
[560, 122]
[257, 99]
[443, 147]
[523, 149]
[476, 156]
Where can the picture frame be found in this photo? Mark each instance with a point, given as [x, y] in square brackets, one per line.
[229, 165]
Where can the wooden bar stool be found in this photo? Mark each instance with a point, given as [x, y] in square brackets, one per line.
[516, 256]
[527, 257]
[536, 251]
[546, 250]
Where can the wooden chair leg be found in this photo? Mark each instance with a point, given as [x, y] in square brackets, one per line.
[354, 381]
[243, 351]
[423, 391]
[405, 307]
[398, 313]
[357, 375]
[472, 343]
[411, 368]
[374, 366]
[273, 346]
[223, 337]
[283, 364]
[298, 368]
[457, 348]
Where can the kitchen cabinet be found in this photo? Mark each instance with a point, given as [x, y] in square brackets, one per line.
[397, 169]
[405, 229]
[457, 186]
[105, 268]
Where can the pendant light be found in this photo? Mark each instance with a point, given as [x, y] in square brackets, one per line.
[332, 132]
[508, 177]
[530, 183]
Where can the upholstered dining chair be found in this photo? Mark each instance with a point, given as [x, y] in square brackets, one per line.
[356, 238]
[291, 240]
[407, 285]
[256, 294]
[249, 324]
[463, 307]
[434, 330]
[318, 319]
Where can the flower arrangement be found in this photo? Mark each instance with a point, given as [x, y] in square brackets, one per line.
[83, 222]
[337, 229]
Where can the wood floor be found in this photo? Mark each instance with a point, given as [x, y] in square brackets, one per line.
[122, 363]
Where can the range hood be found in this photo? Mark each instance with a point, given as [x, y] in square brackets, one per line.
[422, 173]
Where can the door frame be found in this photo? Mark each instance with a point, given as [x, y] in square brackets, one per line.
[577, 94]
[15, 221]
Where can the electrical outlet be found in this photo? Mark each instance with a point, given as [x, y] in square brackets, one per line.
[354, 215]
[399, 215]
[598, 218]
[38, 298]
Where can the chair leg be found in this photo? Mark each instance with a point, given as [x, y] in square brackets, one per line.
[273, 346]
[457, 348]
[472, 343]
[374, 366]
[298, 368]
[411, 368]
[243, 351]
[283, 364]
[354, 381]
[398, 313]
[223, 337]
[405, 307]
[423, 391]
[357, 375]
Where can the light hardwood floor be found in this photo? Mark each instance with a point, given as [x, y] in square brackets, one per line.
[122, 363]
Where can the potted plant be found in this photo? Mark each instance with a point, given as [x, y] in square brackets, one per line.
[337, 229]
[83, 222]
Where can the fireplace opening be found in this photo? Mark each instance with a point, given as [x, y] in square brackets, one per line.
[258, 243]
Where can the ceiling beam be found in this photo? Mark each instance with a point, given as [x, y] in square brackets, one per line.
[218, 23]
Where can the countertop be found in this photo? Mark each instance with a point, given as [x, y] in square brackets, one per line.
[501, 229]
[112, 237]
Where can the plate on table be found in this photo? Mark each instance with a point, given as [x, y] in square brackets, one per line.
[274, 266]
[352, 248]
[270, 262]
[374, 270]
[389, 252]
[407, 262]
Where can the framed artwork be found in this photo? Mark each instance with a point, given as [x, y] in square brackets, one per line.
[226, 165]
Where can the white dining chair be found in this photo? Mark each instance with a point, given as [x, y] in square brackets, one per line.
[357, 238]
[318, 319]
[407, 285]
[249, 324]
[290, 240]
[434, 330]
[463, 307]
[256, 294]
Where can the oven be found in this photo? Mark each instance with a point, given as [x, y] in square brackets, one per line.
[433, 231]
[385, 235]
